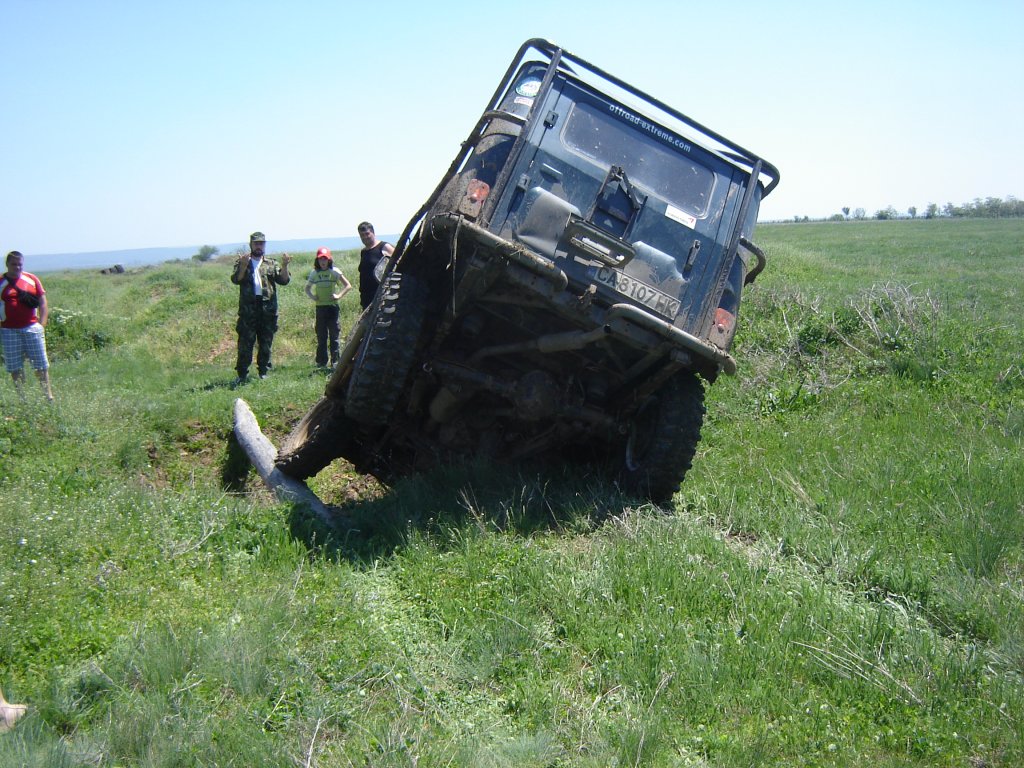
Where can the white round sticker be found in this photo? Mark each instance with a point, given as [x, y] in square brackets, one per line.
[528, 87]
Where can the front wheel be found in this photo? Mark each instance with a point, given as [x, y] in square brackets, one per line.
[389, 349]
[323, 435]
[663, 437]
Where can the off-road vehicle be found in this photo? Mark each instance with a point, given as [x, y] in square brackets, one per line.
[567, 290]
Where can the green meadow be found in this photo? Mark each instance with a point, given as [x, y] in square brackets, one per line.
[840, 581]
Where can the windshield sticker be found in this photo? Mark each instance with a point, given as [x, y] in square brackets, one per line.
[683, 218]
[529, 87]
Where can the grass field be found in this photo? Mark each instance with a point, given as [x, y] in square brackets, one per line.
[840, 581]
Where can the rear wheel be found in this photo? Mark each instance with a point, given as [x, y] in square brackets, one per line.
[382, 365]
[663, 437]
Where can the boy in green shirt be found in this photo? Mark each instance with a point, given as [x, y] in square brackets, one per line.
[326, 285]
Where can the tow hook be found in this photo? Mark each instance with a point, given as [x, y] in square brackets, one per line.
[586, 298]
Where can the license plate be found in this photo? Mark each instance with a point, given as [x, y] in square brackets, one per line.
[657, 300]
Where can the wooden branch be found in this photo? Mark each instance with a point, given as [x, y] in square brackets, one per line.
[262, 454]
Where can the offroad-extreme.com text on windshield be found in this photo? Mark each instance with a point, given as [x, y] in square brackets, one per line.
[649, 127]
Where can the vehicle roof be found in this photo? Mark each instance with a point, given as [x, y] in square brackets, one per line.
[647, 106]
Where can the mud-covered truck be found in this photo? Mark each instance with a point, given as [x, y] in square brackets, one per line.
[569, 289]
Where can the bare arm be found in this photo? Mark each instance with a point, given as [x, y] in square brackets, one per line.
[345, 286]
[44, 310]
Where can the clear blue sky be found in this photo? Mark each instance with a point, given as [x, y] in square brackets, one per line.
[130, 124]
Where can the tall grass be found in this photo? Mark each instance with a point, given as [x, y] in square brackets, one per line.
[839, 581]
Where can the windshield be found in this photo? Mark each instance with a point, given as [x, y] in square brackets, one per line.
[594, 133]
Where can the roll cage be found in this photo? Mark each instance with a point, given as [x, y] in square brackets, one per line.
[559, 60]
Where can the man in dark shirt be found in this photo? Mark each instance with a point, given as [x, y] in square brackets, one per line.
[373, 251]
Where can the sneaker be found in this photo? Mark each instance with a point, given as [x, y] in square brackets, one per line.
[263, 375]
[239, 381]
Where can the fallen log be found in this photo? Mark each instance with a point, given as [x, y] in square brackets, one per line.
[262, 454]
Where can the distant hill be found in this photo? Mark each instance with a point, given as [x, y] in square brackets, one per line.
[137, 257]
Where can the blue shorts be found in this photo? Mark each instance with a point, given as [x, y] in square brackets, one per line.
[20, 343]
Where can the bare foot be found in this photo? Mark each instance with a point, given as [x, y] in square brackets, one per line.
[10, 714]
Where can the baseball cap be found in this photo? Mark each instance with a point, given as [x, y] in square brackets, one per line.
[257, 237]
[323, 252]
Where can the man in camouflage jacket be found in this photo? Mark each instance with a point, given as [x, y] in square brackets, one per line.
[257, 278]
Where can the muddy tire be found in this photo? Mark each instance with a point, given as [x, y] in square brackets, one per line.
[663, 437]
[323, 435]
[382, 366]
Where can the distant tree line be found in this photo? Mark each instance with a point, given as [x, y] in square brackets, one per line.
[989, 208]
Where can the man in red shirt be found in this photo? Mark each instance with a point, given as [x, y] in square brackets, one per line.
[23, 314]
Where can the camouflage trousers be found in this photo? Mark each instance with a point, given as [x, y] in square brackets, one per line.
[257, 324]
